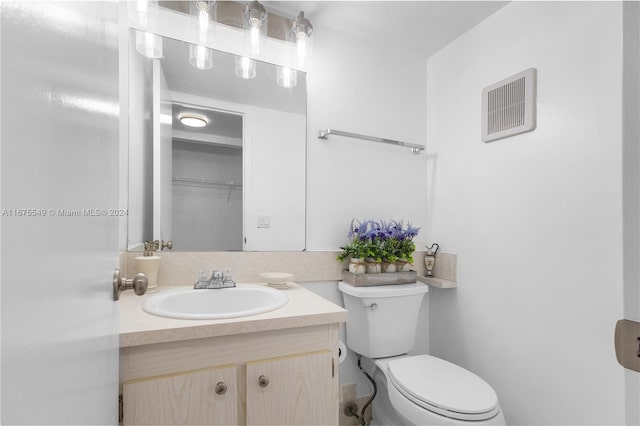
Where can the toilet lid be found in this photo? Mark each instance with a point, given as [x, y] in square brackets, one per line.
[435, 383]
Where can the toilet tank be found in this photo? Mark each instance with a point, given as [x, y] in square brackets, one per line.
[382, 319]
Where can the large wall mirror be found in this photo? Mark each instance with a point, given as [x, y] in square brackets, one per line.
[237, 182]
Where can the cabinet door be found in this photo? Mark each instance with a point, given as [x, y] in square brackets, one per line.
[194, 398]
[296, 390]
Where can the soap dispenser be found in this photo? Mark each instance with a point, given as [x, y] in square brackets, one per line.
[149, 264]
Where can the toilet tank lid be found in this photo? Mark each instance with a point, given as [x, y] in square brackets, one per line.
[397, 290]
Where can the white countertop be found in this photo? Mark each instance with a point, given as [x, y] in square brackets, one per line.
[304, 308]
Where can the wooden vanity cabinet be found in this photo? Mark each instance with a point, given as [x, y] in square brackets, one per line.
[283, 377]
[292, 390]
[208, 396]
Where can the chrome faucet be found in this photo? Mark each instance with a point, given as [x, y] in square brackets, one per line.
[217, 280]
[156, 245]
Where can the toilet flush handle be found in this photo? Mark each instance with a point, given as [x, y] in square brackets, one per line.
[372, 306]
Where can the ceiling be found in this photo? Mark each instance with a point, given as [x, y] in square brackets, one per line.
[422, 27]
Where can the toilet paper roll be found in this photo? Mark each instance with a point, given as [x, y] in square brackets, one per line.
[342, 352]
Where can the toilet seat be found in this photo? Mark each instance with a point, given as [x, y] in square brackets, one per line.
[442, 388]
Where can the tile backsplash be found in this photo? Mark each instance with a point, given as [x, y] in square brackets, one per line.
[181, 268]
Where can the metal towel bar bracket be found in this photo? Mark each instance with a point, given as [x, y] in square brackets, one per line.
[322, 134]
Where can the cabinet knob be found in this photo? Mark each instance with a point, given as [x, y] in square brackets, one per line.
[221, 388]
[263, 381]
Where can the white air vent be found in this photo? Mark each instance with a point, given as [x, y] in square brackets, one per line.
[509, 106]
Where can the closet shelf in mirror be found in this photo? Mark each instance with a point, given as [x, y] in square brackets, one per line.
[222, 184]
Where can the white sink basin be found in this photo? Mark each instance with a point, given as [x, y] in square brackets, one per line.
[235, 302]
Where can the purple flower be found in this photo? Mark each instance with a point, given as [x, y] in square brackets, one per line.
[381, 230]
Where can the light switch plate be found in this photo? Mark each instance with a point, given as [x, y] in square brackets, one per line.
[264, 221]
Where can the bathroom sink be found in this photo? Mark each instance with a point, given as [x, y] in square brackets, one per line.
[234, 302]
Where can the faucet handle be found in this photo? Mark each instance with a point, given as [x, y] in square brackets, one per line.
[227, 279]
[156, 245]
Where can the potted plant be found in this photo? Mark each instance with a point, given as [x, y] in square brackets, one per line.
[391, 246]
[406, 248]
[356, 250]
[373, 256]
[381, 246]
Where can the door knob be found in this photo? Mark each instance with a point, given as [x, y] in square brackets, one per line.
[138, 284]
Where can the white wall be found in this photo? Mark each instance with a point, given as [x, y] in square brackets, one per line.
[535, 219]
[356, 87]
[276, 178]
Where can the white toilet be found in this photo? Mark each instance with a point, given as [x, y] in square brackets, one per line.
[412, 390]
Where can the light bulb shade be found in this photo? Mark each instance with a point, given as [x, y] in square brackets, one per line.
[245, 67]
[255, 15]
[200, 57]
[302, 47]
[287, 77]
[255, 18]
[301, 30]
[148, 44]
[207, 6]
[193, 120]
[301, 26]
[143, 11]
[204, 16]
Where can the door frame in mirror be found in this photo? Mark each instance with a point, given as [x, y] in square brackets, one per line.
[247, 142]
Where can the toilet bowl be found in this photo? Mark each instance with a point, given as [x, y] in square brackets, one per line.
[425, 390]
[418, 389]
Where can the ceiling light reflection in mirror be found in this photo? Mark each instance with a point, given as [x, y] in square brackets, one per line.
[193, 120]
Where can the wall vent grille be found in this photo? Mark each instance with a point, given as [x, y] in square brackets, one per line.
[508, 106]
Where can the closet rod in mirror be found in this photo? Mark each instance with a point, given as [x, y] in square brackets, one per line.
[222, 184]
[322, 134]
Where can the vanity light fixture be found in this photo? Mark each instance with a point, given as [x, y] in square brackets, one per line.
[200, 57]
[301, 30]
[141, 9]
[255, 26]
[193, 120]
[145, 13]
[148, 44]
[287, 77]
[245, 67]
[204, 12]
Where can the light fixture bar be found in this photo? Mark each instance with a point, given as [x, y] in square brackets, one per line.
[322, 134]
[227, 12]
